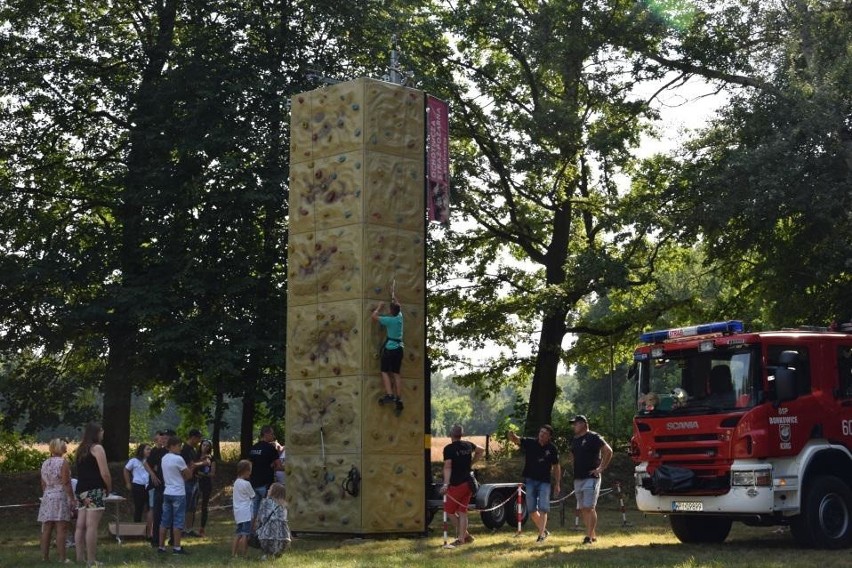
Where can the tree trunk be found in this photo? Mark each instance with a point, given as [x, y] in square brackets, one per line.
[247, 417]
[218, 412]
[117, 391]
[543, 392]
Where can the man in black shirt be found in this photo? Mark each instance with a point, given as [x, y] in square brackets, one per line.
[458, 458]
[591, 457]
[542, 458]
[155, 474]
[189, 453]
[264, 463]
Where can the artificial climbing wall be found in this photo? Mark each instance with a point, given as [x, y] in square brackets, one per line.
[357, 216]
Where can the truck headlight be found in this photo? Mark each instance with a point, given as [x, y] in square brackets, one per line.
[758, 478]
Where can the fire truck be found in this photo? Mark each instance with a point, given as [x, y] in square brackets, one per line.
[745, 426]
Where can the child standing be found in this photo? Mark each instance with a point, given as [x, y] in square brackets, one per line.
[243, 496]
[175, 472]
[273, 532]
[57, 499]
[136, 481]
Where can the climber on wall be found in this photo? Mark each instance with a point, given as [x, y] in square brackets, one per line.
[391, 353]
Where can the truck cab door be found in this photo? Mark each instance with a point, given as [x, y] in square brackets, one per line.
[840, 428]
[791, 422]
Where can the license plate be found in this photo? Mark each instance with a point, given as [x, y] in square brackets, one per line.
[687, 506]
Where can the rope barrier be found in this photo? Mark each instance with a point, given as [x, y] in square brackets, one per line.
[494, 508]
[22, 505]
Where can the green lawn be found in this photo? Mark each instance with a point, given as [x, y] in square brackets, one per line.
[646, 542]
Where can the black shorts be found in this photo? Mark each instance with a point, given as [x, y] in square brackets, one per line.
[391, 360]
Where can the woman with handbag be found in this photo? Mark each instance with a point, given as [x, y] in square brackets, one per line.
[273, 532]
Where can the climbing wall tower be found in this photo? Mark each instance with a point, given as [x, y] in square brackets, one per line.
[357, 217]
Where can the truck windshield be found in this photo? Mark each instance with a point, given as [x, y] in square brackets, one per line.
[688, 381]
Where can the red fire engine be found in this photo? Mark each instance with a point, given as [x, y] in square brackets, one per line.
[751, 427]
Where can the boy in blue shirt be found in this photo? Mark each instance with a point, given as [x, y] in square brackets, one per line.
[391, 353]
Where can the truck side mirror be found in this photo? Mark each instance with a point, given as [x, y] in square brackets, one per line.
[785, 376]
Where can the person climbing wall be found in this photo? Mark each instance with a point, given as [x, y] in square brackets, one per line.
[391, 353]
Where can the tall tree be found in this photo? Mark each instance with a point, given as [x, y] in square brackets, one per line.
[144, 160]
[545, 118]
[769, 184]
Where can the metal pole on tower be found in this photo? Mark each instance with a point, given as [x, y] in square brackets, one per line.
[395, 75]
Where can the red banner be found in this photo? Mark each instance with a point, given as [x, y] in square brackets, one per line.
[437, 160]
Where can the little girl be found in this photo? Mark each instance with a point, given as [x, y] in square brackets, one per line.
[57, 500]
[136, 481]
[273, 530]
[242, 498]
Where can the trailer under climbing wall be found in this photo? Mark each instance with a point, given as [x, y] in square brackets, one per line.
[357, 217]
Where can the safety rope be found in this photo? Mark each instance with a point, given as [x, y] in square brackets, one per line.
[494, 508]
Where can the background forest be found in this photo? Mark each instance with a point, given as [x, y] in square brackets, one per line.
[144, 167]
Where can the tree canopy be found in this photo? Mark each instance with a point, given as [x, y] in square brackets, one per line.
[144, 166]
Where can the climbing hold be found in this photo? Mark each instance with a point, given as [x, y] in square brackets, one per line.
[355, 106]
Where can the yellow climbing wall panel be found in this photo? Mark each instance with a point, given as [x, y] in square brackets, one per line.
[357, 219]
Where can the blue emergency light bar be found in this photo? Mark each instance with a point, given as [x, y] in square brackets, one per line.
[731, 326]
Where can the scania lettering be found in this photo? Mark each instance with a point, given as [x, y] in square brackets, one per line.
[733, 425]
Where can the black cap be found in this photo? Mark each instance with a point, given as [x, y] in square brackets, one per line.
[166, 432]
[195, 432]
[579, 418]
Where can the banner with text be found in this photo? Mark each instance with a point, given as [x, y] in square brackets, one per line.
[437, 160]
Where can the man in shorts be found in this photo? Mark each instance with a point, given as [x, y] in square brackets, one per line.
[458, 457]
[190, 454]
[591, 457]
[264, 463]
[392, 351]
[541, 460]
[153, 465]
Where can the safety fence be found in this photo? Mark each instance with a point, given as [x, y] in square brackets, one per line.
[519, 507]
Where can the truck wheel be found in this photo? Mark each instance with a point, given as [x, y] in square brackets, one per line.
[496, 518]
[826, 517]
[691, 529]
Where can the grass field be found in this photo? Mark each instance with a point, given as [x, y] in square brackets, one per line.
[646, 542]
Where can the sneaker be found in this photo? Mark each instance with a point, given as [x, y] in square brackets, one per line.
[161, 550]
[468, 538]
[180, 550]
[588, 540]
[543, 536]
[386, 399]
[191, 533]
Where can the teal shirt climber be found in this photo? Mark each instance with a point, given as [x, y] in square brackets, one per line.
[393, 324]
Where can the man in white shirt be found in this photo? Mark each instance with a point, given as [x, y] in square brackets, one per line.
[175, 472]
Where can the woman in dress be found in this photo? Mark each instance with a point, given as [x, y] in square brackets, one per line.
[273, 532]
[57, 499]
[205, 474]
[93, 485]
